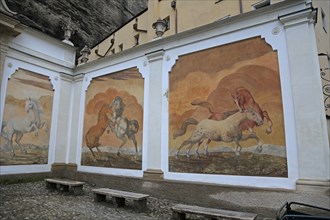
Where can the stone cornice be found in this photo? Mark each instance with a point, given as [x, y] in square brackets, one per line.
[72, 78]
[155, 55]
[304, 16]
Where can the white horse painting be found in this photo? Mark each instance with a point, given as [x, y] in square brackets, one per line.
[21, 125]
[227, 130]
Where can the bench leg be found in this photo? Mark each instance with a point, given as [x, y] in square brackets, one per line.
[77, 190]
[140, 205]
[50, 185]
[120, 202]
[99, 197]
[179, 215]
[65, 188]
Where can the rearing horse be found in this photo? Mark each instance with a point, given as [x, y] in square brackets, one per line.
[21, 125]
[96, 131]
[123, 127]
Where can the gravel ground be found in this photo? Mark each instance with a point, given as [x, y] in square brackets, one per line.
[34, 201]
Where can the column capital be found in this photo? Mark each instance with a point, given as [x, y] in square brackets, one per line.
[155, 55]
[308, 15]
[67, 77]
[79, 77]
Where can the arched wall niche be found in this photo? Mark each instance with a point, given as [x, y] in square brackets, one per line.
[124, 82]
[29, 93]
[197, 73]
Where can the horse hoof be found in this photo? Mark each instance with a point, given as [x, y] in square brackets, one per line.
[259, 149]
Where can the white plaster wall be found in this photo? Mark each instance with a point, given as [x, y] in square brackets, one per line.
[299, 138]
[39, 53]
[141, 63]
[311, 128]
[11, 65]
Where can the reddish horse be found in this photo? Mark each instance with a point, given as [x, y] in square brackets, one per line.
[244, 100]
[94, 133]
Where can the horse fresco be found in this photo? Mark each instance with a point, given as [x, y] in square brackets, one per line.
[103, 122]
[244, 100]
[21, 125]
[227, 130]
[123, 127]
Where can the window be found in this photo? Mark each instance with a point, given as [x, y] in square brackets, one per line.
[121, 47]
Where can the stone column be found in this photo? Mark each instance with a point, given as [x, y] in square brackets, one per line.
[310, 122]
[153, 170]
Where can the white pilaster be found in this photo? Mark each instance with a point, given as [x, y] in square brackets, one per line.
[310, 122]
[153, 170]
[74, 112]
[63, 137]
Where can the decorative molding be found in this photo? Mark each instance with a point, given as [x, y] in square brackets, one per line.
[315, 186]
[304, 16]
[151, 174]
[155, 56]
[66, 77]
[79, 77]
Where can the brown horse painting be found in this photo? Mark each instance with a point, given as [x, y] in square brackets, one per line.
[244, 100]
[104, 120]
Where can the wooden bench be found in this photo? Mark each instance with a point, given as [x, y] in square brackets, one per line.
[140, 200]
[65, 185]
[180, 210]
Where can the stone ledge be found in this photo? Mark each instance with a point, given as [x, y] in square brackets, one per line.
[151, 174]
[313, 186]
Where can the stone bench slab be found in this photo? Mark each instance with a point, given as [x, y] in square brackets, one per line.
[75, 186]
[180, 210]
[65, 182]
[140, 200]
[120, 194]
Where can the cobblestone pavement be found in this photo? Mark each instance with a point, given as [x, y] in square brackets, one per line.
[34, 201]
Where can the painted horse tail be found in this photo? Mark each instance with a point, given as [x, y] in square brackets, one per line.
[184, 126]
[270, 123]
[133, 126]
[2, 133]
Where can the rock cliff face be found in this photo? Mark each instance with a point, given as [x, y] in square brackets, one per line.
[92, 20]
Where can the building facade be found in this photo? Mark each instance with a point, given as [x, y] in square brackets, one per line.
[235, 101]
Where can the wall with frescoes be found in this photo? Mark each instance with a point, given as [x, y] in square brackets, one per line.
[229, 105]
[29, 102]
[27, 119]
[113, 121]
[221, 84]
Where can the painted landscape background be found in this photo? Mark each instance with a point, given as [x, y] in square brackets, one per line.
[213, 75]
[129, 86]
[21, 86]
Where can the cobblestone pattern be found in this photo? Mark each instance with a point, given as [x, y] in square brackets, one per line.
[34, 201]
